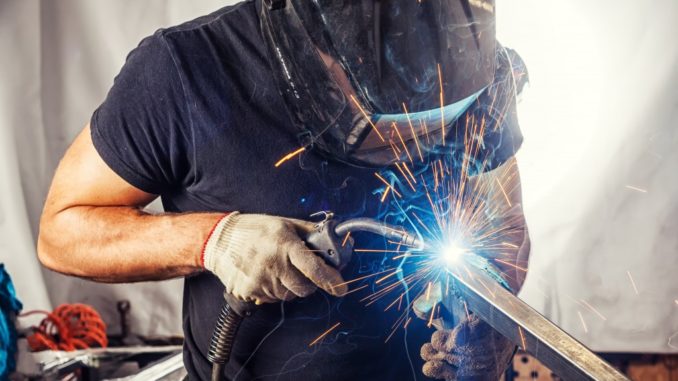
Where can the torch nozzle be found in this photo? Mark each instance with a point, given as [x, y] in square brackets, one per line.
[395, 233]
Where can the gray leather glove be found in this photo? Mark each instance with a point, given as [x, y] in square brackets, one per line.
[263, 259]
[470, 351]
[463, 347]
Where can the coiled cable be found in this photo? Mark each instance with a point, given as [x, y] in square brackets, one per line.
[232, 314]
[222, 340]
[69, 327]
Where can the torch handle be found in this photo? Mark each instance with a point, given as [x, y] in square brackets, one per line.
[331, 239]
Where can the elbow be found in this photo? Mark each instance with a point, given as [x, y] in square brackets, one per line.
[49, 246]
[46, 252]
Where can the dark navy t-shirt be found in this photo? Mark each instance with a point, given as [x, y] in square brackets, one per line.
[195, 117]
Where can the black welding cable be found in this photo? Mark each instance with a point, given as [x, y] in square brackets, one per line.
[222, 340]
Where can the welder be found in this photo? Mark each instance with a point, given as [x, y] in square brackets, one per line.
[200, 115]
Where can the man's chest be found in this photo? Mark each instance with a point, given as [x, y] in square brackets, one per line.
[236, 165]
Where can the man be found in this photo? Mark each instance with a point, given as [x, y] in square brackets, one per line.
[201, 114]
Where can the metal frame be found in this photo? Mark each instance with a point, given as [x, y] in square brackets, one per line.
[526, 327]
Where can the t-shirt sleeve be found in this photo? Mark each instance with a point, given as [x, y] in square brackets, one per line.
[489, 129]
[140, 128]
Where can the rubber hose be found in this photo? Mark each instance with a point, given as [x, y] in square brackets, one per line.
[222, 340]
[217, 371]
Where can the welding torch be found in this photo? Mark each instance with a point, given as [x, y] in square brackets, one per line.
[329, 239]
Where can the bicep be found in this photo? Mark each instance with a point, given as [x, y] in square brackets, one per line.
[84, 179]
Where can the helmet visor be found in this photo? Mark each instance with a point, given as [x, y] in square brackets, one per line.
[351, 70]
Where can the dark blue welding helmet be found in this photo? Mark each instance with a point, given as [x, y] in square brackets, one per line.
[364, 79]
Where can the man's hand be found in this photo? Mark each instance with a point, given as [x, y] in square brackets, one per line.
[463, 347]
[263, 259]
[470, 351]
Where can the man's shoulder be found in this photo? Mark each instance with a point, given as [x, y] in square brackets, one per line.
[228, 16]
[230, 34]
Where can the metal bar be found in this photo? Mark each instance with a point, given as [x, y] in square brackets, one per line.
[525, 327]
[54, 361]
[170, 368]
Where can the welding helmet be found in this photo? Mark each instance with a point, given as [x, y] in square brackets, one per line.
[363, 79]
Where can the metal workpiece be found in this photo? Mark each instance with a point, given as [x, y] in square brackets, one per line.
[524, 326]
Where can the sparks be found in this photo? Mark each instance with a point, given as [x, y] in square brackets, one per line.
[414, 135]
[430, 319]
[383, 197]
[633, 283]
[635, 188]
[508, 201]
[511, 264]
[468, 314]
[407, 179]
[388, 185]
[369, 120]
[455, 211]
[583, 323]
[407, 151]
[324, 334]
[595, 311]
[522, 339]
[380, 280]
[289, 156]
[442, 103]
[414, 180]
[376, 251]
[348, 235]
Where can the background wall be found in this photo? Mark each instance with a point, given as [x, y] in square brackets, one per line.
[57, 62]
[601, 130]
[599, 166]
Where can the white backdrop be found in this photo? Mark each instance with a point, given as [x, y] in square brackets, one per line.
[598, 164]
[57, 62]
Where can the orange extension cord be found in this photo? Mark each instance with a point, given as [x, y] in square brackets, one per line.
[69, 327]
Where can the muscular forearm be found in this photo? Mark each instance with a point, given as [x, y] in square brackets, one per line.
[123, 244]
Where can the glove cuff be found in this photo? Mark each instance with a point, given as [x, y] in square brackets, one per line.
[216, 240]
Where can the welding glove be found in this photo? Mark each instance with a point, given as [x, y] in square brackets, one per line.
[472, 350]
[263, 259]
[428, 307]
